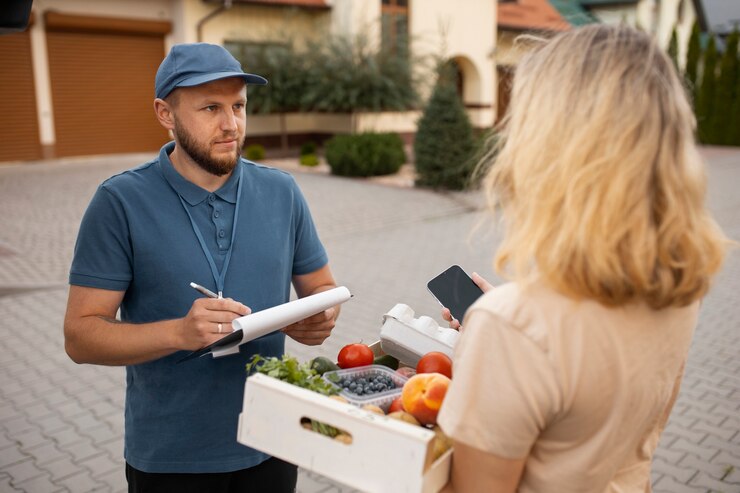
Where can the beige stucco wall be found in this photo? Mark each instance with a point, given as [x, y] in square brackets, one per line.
[248, 23]
[330, 123]
[463, 30]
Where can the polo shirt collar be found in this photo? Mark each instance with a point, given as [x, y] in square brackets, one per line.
[189, 191]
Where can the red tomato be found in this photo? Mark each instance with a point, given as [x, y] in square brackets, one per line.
[435, 362]
[396, 405]
[353, 355]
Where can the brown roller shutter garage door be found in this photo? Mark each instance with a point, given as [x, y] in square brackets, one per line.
[102, 83]
[19, 129]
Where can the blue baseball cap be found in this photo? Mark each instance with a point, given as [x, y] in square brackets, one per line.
[193, 64]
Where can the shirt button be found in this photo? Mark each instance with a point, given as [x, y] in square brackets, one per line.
[221, 234]
[216, 214]
[211, 198]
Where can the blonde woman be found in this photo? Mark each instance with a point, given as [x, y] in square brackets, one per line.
[565, 377]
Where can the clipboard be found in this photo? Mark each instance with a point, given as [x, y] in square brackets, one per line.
[224, 341]
[258, 324]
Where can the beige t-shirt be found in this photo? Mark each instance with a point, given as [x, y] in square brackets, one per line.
[581, 390]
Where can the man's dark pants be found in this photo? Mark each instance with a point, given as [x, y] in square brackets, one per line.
[271, 476]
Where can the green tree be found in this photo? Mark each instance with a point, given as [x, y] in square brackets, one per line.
[444, 144]
[673, 49]
[725, 94]
[286, 71]
[733, 131]
[693, 54]
[707, 89]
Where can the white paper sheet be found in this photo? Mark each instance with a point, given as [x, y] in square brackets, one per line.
[263, 322]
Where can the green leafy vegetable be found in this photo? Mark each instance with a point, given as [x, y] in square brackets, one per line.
[288, 369]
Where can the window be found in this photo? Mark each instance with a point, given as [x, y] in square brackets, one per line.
[395, 25]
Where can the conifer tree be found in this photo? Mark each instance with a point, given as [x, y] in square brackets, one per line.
[725, 93]
[444, 144]
[693, 54]
[733, 132]
[673, 49]
[705, 100]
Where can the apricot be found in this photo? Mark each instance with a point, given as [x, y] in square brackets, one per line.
[422, 396]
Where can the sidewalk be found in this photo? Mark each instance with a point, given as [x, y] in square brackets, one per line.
[61, 424]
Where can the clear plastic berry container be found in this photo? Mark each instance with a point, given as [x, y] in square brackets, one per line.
[382, 397]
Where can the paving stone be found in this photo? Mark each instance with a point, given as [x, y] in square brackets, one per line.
[37, 411]
[70, 409]
[732, 475]
[114, 480]
[66, 437]
[29, 439]
[51, 424]
[114, 448]
[691, 436]
[5, 485]
[682, 473]
[696, 464]
[40, 484]
[85, 421]
[11, 455]
[6, 441]
[670, 485]
[62, 468]
[22, 471]
[100, 465]
[728, 458]
[80, 481]
[8, 411]
[105, 408]
[100, 434]
[81, 450]
[46, 452]
[55, 398]
[669, 455]
[705, 481]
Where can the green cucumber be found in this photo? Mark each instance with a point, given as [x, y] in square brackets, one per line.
[322, 365]
[386, 360]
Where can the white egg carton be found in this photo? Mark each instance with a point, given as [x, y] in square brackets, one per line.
[407, 338]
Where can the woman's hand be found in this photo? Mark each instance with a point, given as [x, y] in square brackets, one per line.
[484, 285]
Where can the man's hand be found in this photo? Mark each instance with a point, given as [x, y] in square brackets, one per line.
[484, 285]
[313, 330]
[208, 320]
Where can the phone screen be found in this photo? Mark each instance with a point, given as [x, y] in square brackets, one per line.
[454, 290]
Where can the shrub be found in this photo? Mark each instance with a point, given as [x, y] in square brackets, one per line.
[706, 94]
[308, 148]
[309, 160]
[366, 154]
[255, 152]
[444, 146]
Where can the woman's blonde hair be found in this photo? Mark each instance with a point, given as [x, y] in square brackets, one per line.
[598, 174]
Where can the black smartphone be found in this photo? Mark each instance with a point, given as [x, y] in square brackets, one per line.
[455, 290]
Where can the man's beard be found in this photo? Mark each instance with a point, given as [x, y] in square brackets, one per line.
[201, 155]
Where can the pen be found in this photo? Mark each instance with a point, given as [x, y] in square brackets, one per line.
[203, 290]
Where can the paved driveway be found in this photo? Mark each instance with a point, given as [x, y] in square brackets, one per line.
[61, 424]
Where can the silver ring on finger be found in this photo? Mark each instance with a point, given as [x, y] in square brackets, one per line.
[220, 328]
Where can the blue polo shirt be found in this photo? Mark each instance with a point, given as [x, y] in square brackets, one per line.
[137, 237]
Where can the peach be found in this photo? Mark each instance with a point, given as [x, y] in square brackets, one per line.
[423, 394]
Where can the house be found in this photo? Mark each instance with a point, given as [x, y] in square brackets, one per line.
[79, 80]
[656, 17]
[514, 18]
